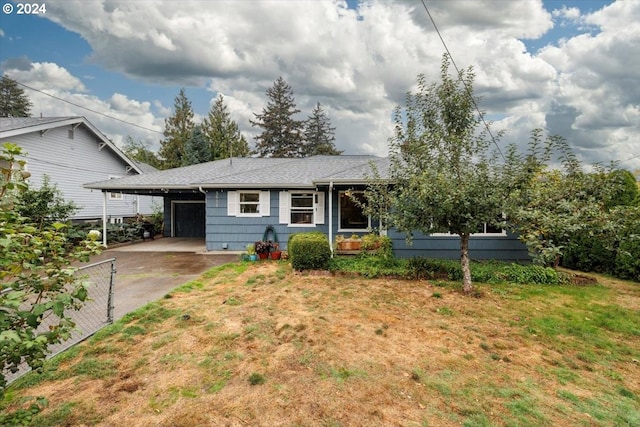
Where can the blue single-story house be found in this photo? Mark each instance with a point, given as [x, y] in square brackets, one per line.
[231, 202]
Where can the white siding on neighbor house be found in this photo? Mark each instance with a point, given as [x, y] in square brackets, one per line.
[70, 163]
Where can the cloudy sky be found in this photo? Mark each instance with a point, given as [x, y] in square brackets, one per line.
[570, 67]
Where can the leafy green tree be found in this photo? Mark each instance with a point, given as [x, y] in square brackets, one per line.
[281, 134]
[223, 133]
[36, 280]
[45, 205]
[177, 130]
[13, 101]
[319, 136]
[548, 206]
[441, 169]
[140, 152]
[197, 148]
[624, 189]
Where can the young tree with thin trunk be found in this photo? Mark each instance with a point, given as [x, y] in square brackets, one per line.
[442, 174]
[281, 134]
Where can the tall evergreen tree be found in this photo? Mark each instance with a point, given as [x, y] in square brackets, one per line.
[319, 136]
[197, 148]
[177, 130]
[223, 133]
[282, 134]
[13, 101]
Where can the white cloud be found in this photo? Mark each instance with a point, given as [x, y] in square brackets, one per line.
[360, 63]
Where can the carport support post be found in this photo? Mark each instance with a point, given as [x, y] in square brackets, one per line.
[104, 219]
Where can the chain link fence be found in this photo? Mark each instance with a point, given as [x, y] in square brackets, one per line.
[96, 312]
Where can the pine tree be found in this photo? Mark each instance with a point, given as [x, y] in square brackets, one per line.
[13, 101]
[282, 134]
[177, 130]
[223, 133]
[197, 148]
[319, 136]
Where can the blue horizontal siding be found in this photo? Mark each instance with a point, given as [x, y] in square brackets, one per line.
[237, 232]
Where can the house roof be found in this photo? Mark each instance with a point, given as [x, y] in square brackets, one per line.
[14, 126]
[252, 172]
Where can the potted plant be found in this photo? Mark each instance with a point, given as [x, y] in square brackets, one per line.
[353, 243]
[251, 250]
[263, 248]
[275, 251]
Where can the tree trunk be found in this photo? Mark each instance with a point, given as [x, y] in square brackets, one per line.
[467, 286]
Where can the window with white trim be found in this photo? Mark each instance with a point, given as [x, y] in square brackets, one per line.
[485, 229]
[248, 203]
[350, 216]
[115, 196]
[301, 208]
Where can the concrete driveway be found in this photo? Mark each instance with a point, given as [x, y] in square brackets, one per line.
[147, 271]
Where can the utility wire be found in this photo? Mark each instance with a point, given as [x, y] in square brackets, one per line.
[468, 89]
[89, 109]
[631, 158]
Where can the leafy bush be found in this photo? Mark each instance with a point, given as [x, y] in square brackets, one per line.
[484, 272]
[370, 265]
[627, 263]
[378, 243]
[36, 279]
[425, 268]
[309, 251]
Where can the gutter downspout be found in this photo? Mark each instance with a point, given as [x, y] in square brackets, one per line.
[331, 217]
[104, 219]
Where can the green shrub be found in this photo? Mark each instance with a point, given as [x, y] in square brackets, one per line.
[628, 258]
[378, 243]
[309, 251]
[370, 265]
[483, 272]
[425, 268]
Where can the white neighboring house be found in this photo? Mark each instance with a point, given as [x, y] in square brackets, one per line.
[71, 151]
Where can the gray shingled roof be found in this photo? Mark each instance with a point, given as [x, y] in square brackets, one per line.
[252, 172]
[15, 123]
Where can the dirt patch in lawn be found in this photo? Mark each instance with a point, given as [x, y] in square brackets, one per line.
[266, 347]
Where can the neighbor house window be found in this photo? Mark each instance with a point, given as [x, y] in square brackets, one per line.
[114, 196]
[301, 208]
[351, 215]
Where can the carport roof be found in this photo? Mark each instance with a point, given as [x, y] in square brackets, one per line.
[251, 172]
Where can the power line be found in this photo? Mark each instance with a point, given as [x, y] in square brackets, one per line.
[468, 89]
[89, 109]
[631, 158]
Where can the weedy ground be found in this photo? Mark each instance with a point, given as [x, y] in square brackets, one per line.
[260, 345]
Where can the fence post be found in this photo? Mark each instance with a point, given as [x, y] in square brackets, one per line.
[112, 282]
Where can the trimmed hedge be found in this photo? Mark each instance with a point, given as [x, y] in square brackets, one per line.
[309, 251]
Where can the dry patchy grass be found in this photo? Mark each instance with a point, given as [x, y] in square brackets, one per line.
[268, 347]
